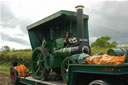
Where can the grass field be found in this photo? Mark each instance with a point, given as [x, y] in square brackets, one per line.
[5, 69]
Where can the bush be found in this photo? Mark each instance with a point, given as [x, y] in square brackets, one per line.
[103, 42]
[23, 57]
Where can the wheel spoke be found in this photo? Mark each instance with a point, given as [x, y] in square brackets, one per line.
[39, 56]
[34, 62]
[37, 70]
[36, 66]
[42, 61]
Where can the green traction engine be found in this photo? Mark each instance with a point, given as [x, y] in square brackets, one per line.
[57, 41]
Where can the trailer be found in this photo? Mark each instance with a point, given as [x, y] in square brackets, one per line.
[98, 74]
[60, 45]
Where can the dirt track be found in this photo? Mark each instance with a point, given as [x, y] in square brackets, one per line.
[4, 79]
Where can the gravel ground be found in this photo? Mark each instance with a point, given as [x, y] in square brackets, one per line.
[4, 79]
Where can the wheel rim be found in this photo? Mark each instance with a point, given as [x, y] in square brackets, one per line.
[37, 64]
[65, 68]
[97, 82]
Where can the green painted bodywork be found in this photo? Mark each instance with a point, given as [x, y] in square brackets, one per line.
[59, 42]
[121, 69]
[64, 52]
[49, 45]
[80, 58]
[57, 62]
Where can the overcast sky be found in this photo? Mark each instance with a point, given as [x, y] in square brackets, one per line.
[105, 18]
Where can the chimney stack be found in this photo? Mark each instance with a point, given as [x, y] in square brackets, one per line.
[79, 16]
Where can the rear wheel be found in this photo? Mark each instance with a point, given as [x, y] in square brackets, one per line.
[38, 69]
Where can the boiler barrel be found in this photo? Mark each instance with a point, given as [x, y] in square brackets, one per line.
[70, 51]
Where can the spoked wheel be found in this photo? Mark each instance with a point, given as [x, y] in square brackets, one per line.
[38, 69]
[65, 68]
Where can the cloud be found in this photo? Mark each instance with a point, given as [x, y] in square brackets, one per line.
[7, 18]
[13, 28]
[110, 19]
[14, 39]
[10, 20]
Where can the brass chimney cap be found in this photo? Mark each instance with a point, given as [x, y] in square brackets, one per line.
[79, 7]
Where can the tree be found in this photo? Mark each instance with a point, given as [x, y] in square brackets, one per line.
[103, 42]
[113, 44]
[6, 48]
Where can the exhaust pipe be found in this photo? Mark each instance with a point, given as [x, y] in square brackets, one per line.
[80, 30]
[84, 46]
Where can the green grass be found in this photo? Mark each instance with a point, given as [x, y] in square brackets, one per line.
[5, 69]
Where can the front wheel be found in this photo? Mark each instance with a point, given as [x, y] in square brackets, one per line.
[65, 68]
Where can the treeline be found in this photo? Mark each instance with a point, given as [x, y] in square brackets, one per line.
[8, 49]
[9, 56]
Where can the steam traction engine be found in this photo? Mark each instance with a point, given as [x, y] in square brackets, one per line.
[57, 41]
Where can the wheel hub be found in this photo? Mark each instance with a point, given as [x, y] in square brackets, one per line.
[38, 62]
